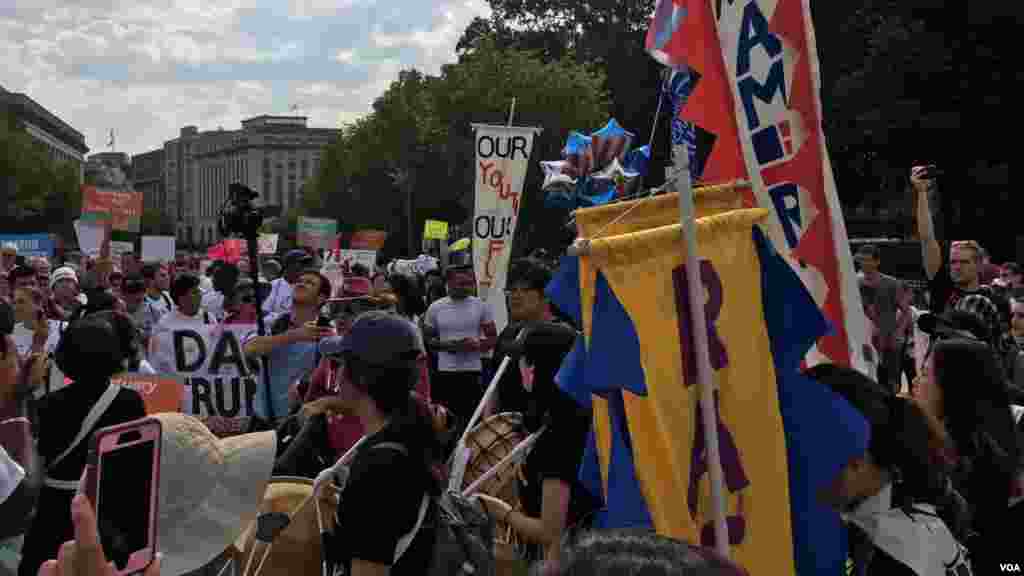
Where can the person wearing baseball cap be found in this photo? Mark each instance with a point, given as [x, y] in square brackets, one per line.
[377, 370]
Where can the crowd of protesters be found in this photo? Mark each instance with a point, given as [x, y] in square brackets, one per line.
[403, 362]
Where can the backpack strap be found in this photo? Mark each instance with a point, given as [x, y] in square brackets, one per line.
[406, 541]
[95, 413]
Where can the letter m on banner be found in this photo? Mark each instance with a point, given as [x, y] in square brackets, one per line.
[757, 94]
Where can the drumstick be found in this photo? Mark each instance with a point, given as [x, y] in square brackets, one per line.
[518, 452]
[459, 457]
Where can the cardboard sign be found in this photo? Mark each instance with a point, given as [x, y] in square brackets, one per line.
[217, 378]
[161, 393]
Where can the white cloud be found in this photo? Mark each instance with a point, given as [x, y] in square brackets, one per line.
[148, 67]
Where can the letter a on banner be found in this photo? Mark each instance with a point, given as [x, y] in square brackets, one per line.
[502, 158]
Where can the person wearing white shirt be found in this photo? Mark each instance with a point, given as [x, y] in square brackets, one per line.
[29, 317]
[187, 312]
[460, 328]
[279, 301]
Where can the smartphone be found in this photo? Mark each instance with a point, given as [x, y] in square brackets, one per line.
[348, 307]
[123, 483]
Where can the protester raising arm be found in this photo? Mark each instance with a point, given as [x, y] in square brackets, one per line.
[931, 252]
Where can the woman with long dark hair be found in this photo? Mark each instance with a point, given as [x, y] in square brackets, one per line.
[963, 388]
[392, 475]
[888, 496]
[90, 354]
[553, 501]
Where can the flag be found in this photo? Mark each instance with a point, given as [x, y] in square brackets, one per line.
[781, 435]
[755, 98]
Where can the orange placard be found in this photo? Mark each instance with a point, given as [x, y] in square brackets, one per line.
[368, 240]
[160, 392]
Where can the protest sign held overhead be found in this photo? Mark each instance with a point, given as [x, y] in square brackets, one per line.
[502, 157]
[122, 209]
[217, 379]
[317, 233]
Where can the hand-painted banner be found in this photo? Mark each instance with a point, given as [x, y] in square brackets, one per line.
[502, 159]
[756, 85]
[218, 381]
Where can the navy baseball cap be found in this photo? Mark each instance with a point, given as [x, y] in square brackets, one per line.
[377, 338]
[296, 256]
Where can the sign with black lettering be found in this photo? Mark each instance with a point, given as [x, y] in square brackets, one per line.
[218, 379]
[502, 159]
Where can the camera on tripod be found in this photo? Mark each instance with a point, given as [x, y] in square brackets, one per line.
[239, 216]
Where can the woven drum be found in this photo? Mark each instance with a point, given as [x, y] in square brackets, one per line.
[490, 442]
[296, 550]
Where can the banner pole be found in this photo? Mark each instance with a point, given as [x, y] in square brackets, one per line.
[698, 322]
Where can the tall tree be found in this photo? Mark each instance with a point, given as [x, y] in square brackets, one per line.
[418, 141]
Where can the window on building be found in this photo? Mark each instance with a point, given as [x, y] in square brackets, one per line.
[279, 189]
[305, 168]
[291, 176]
[291, 194]
[266, 190]
[291, 165]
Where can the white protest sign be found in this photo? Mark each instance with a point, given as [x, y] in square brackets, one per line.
[502, 158]
[345, 259]
[158, 248]
[218, 380]
[119, 248]
[90, 237]
[268, 244]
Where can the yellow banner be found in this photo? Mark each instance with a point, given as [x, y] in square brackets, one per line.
[646, 272]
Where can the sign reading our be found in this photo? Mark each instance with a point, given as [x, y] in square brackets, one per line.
[502, 158]
[218, 381]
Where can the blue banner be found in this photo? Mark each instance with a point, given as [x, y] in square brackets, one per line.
[31, 244]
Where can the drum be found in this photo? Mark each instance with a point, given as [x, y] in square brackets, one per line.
[488, 443]
[295, 551]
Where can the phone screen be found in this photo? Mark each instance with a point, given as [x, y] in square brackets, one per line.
[124, 494]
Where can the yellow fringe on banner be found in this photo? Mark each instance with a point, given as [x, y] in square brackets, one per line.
[644, 270]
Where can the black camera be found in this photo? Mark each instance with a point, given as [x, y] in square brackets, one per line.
[239, 217]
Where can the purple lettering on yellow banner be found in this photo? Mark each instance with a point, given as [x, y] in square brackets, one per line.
[712, 309]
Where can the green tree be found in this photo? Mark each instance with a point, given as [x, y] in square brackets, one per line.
[418, 141]
[36, 192]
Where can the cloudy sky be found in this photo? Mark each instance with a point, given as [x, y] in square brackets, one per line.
[144, 68]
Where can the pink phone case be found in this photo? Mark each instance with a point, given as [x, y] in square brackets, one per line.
[105, 440]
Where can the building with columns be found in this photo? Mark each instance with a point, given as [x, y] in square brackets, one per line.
[273, 155]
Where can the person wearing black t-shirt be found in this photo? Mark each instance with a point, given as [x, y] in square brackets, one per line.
[552, 498]
[527, 305]
[957, 285]
[390, 480]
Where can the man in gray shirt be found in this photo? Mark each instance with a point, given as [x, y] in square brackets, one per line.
[881, 294]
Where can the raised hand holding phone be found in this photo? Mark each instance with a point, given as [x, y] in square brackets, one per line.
[122, 481]
[84, 556]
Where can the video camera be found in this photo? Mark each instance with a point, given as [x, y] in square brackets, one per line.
[238, 216]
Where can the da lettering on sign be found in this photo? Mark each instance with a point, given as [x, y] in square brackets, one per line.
[220, 380]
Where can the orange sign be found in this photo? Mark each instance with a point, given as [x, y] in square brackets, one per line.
[368, 240]
[160, 392]
[122, 208]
